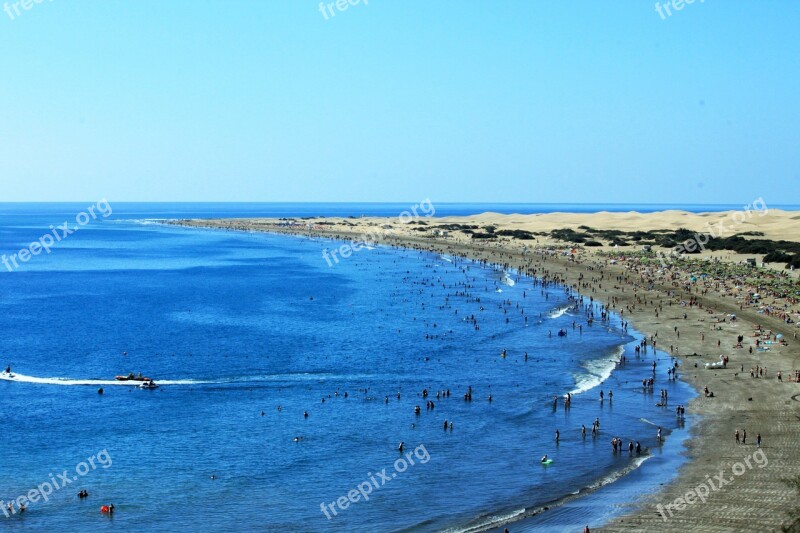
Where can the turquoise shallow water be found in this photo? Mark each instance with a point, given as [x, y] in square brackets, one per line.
[236, 324]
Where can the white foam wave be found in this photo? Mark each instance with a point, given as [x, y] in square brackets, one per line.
[488, 522]
[139, 221]
[499, 520]
[555, 313]
[597, 371]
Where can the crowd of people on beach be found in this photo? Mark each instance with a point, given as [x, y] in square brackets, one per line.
[633, 285]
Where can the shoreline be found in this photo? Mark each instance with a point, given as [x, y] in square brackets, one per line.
[766, 405]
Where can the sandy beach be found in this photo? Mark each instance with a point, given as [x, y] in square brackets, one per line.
[685, 304]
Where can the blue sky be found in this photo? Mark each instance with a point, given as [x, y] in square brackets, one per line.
[400, 100]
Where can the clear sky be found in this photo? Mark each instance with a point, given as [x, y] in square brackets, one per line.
[400, 100]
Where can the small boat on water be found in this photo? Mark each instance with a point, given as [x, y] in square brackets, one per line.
[132, 377]
[149, 385]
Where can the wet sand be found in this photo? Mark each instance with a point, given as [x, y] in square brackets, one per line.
[758, 499]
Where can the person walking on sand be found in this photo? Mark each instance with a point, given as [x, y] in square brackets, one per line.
[744, 436]
[758, 440]
[736, 435]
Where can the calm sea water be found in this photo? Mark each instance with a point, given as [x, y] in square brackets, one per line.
[248, 332]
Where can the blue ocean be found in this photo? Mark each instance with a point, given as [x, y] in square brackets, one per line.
[285, 385]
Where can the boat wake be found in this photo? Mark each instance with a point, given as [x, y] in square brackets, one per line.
[224, 381]
[21, 378]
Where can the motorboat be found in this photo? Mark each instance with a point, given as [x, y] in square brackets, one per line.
[132, 377]
[149, 384]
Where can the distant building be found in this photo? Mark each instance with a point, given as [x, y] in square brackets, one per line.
[647, 247]
[751, 261]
